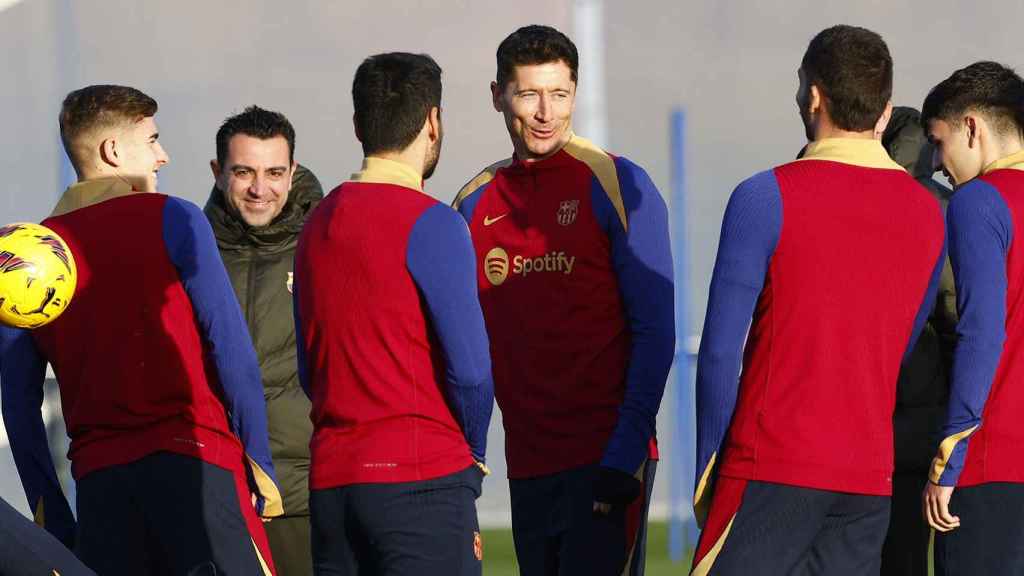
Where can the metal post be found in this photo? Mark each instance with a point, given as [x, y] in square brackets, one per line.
[682, 528]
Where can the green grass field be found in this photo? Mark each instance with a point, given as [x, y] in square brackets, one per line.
[500, 556]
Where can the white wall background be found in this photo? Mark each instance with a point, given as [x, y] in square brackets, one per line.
[731, 63]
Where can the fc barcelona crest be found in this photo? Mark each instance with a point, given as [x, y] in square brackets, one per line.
[567, 211]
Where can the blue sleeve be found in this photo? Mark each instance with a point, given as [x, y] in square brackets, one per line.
[642, 260]
[22, 372]
[750, 233]
[442, 262]
[979, 232]
[467, 206]
[193, 250]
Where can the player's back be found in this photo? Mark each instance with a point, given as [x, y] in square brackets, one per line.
[375, 371]
[128, 353]
[858, 244]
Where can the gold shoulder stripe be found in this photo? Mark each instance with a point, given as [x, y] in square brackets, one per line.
[704, 566]
[945, 451]
[479, 180]
[702, 497]
[603, 167]
[272, 504]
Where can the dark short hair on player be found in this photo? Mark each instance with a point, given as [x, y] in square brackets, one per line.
[392, 95]
[257, 123]
[852, 68]
[97, 107]
[987, 88]
[535, 44]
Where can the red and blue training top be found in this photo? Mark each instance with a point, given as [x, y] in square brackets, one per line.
[837, 258]
[983, 433]
[576, 286]
[391, 341]
[151, 355]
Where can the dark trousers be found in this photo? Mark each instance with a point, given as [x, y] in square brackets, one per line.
[905, 552]
[290, 544]
[557, 532]
[28, 550]
[774, 529]
[165, 514]
[403, 529]
[990, 539]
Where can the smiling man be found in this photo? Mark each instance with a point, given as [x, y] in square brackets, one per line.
[158, 380]
[974, 120]
[258, 205]
[575, 280]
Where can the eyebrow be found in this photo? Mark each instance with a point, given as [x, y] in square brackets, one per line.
[154, 136]
[245, 167]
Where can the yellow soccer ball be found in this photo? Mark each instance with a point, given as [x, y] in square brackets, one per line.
[37, 275]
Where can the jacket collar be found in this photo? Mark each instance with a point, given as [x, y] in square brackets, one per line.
[1014, 161]
[383, 171]
[854, 151]
[91, 192]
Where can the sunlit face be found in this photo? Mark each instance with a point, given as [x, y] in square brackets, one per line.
[537, 102]
[958, 161]
[140, 154]
[256, 177]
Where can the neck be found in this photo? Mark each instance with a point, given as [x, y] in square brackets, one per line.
[1000, 148]
[413, 156]
[826, 129]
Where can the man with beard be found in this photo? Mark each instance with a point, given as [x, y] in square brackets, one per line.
[392, 347]
[258, 205]
[576, 286]
[833, 262]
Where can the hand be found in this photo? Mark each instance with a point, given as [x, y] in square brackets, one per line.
[614, 488]
[936, 508]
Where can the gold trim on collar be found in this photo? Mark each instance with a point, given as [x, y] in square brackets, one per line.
[383, 171]
[867, 153]
[1014, 161]
[91, 192]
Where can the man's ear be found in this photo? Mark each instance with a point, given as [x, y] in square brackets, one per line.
[815, 101]
[215, 168]
[971, 127]
[291, 175]
[355, 128]
[496, 100]
[109, 152]
[434, 124]
[883, 121]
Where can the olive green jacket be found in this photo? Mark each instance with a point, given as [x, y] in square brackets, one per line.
[259, 263]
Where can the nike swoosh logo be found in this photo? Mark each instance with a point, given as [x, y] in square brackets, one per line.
[488, 220]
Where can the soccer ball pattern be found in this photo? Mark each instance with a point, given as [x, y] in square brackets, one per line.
[37, 275]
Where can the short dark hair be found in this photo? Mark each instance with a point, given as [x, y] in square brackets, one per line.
[258, 123]
[988, 88]
[96, 107]
[535, 44]
[392, 95]
[852, 68]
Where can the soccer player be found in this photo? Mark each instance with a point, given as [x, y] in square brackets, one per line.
[576, 286]
[392, 347]
[159, 383]
[974, 119]
[833, 262]
[257, 207]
